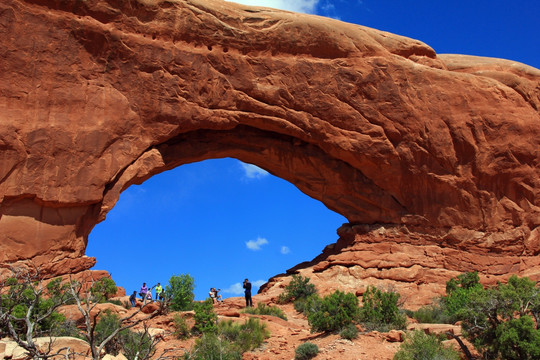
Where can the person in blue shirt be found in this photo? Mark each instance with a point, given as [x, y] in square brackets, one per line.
[133, 298]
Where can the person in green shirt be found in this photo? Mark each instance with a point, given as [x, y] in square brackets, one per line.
[159, 290]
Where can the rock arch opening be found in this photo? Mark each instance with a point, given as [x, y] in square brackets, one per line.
[215, 221]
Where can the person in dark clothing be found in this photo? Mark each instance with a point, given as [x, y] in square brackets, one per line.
[133, 298]
[247, 293]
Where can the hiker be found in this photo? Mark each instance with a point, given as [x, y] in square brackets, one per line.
[133, 298]
[214, 295]
[162, 295]
[159, 290]
[143, 291]
[247, 293]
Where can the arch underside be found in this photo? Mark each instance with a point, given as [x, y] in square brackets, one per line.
[339, 186]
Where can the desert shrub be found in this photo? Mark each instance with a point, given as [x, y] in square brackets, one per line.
[421, 346]
[229, 330]
[107, 324]
[309, 305]
[499, 320]
[26, 298]
[67, 328]
[306, 351]
[243, 337]
[380, 310]
[116, 302]
[349, 332]
[431, 314]
[252, 335]
[103, 289]
[300, 305]
[136, 345]
[181, 328]
[263, 309]
[459, 291]
[333, 312]
[298, 288]
[58, 291]
[180, 292]
[212, 347]
[205, 317]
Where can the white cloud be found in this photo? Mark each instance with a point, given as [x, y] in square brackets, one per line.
[285, 250]
[258, 283]
[252, 171]
[237, 288]
[303, 6]
[256, 244]
[234, 289]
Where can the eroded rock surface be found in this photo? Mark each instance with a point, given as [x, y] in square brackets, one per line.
[97, 95]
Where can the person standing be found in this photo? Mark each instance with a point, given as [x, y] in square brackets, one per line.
[159, 290]
[143, 291]
[247, 293]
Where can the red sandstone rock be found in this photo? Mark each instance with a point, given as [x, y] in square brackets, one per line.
[436, 328]
[395, 336]
[72, 312]
[149, 308]
[102, 94]
[227, 313]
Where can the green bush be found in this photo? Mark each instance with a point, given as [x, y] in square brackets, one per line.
[380, 310]
[263, 309]
[420, 346]
[244, 337]
[23, 296]
[212, 347]
[298, 288]
[205, 317]
[306, 351]
[106, 325]
[333, 312]
[459, 291]
[252, 335]
[499, 320]
[180, 292]
[67, 328]
[349, 332]
[181, 328]
[103, 289]
[230, 340]
[229, 330]
[58, 291]
[116, 302]
[136, 345]
[300, 304]
[132, 344]
[431, 314]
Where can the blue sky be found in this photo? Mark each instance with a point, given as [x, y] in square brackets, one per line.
[222, 220]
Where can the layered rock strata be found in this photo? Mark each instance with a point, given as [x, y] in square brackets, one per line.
[98, 95]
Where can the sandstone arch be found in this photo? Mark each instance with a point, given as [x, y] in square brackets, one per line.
[105, 93]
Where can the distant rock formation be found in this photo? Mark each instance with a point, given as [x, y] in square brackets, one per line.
[97, 95]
